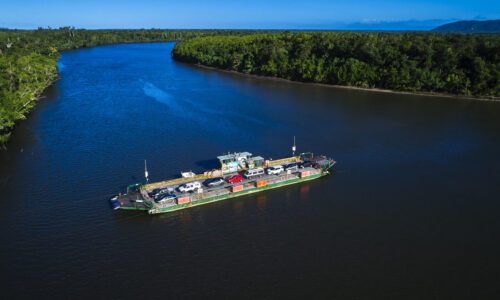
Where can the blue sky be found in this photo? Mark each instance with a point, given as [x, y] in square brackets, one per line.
[254, 14]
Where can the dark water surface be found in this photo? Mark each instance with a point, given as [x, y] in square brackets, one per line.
[412, 211]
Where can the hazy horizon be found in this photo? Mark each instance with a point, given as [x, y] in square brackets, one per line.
[225, 14]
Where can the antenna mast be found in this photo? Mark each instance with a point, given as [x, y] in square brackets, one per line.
[146, 171]
[293, 147]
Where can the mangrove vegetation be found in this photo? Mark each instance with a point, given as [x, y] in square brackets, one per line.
[460, 64]
[28, 60]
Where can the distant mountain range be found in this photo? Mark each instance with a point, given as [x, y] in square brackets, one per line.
[470, 26]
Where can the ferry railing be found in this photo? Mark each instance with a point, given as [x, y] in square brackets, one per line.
[203, 194]
[207, 174]
[326, 166]
[282, 161]
[211, 174]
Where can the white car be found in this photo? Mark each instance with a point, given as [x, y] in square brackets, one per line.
[275, 170]
[254, 172]
[189, 187]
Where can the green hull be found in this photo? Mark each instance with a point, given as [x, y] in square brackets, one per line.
[227, 196]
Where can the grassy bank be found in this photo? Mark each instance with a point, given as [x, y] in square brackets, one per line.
[458, 64]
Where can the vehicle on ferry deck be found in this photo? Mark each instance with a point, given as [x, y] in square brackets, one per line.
[214, 181]
[293, 167]
[165, 198]
[305, 164]
[189, 187]
[158, 192]
[254, 173]
[275, 170]
[238, 169]
[235, 178]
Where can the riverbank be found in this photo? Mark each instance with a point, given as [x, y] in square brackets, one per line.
[29, 58]
[25, 111]
[415, 194]
[415, 63]
[377, 90]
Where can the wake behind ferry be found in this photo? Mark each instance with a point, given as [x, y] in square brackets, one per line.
[239, 174]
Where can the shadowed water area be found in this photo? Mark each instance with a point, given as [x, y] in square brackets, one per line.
[411, 211]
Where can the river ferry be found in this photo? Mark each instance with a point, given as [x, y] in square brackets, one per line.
[239, 174]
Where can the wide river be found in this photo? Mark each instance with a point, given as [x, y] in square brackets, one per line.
[411, 212]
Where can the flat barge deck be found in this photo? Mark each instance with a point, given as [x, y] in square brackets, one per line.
[139, 197]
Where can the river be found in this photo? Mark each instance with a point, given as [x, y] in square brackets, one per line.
[411, 211]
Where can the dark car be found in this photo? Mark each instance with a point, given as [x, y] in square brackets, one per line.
[158, 192]
[292, 167]
[154, 193]
[165, 198]
[306, 164]
[214, 181]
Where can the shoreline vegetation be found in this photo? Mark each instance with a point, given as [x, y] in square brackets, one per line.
[426, 63]
[376, 90]
[432, 64]
[28, 60]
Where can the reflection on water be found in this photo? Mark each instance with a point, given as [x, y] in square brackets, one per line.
[261, 201]
[184, 218]
[237, 206]
[304, 192]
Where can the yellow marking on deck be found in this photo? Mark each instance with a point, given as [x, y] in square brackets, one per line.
[210, 174]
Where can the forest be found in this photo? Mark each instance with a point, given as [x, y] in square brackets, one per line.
[459, 64]
[28, 60]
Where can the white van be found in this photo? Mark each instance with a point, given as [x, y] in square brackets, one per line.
[189, 187]
[254, 172]
[275, 170]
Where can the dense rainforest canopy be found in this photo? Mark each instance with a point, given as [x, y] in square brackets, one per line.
[28, 60]
[462, 64]
[431, 62]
